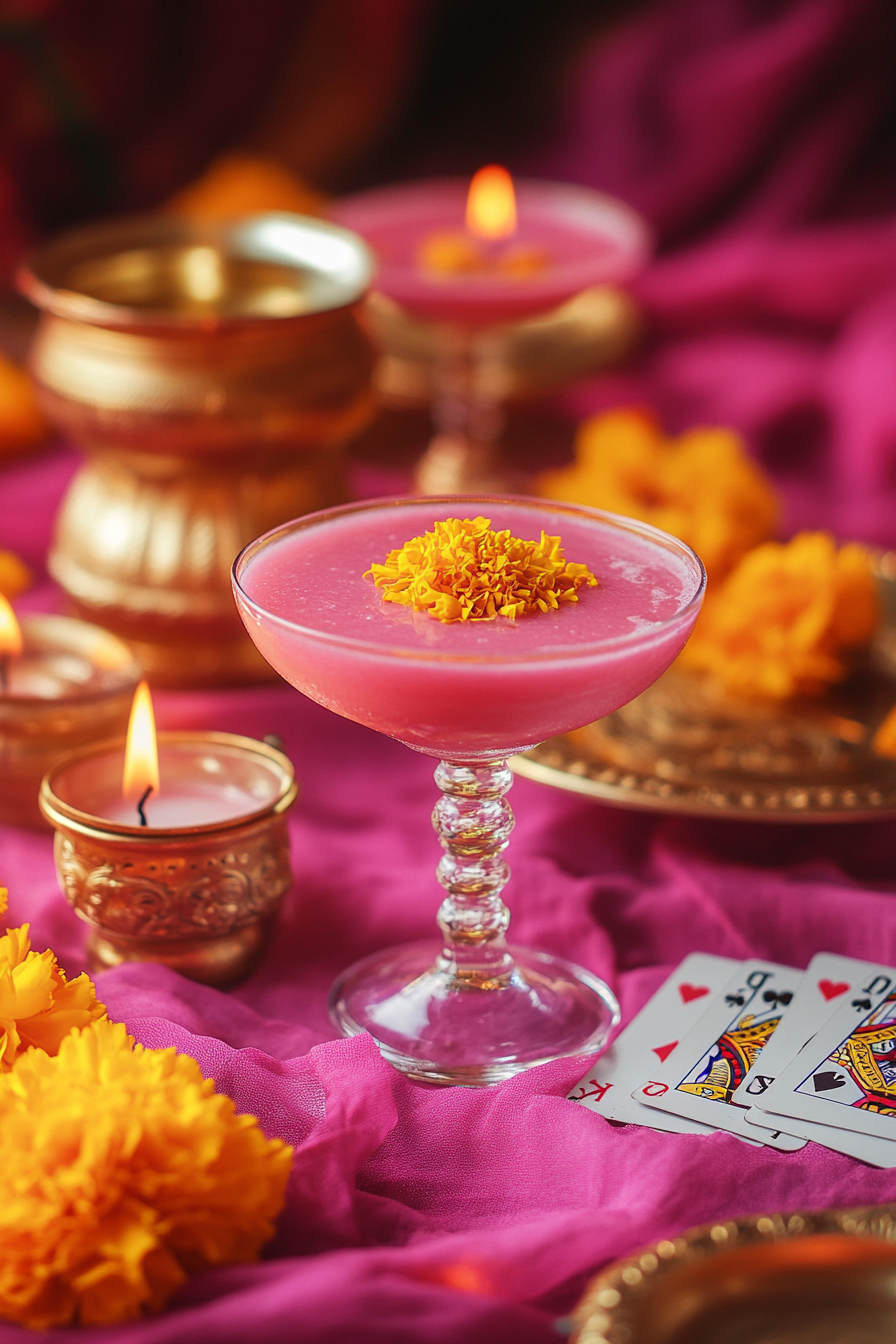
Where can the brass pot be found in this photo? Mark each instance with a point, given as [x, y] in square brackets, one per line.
[211, 373]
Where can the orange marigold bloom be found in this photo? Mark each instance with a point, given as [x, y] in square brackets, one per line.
[784, 619]
[38, 1006]
[702, 486]
[463, 570]
[122, 1171]
[22, 424]
[15, 576]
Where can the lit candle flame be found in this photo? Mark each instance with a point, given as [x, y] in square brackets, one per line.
[141, 757]
[491, 203]
[10, 633]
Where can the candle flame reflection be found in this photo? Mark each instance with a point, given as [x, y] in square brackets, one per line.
[10, 633]
[141, 757]
[491, 203]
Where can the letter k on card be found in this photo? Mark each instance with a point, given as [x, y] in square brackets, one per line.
[650, 1037]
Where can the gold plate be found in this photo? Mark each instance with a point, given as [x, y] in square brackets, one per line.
[800, 1278]
[685, 746]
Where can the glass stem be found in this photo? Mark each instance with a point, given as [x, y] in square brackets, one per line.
[473, 821]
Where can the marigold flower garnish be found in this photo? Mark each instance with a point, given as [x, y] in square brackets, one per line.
[38, 1006]
[464, 571]
[784, 620]
[702, 486]
[121, 1172]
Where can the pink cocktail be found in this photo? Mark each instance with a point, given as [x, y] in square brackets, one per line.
[471, 694]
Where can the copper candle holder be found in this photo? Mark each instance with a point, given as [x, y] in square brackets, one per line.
[73, 684]
[196, 897]
[211, 374]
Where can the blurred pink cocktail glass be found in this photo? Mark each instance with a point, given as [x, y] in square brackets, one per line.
[471, 1010]
[585, 239]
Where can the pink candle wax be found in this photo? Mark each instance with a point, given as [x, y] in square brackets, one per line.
[203, 781]
[587, 238]
[466, 690]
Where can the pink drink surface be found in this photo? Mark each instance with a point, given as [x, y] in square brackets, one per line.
[467, 690]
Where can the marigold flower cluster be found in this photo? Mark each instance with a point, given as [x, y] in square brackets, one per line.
[785, 620]
[38, 1006]
[465, 571]
[702, 486]
[121, 1172]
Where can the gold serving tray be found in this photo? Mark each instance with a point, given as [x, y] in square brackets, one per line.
[685, 746]
[800, 1278]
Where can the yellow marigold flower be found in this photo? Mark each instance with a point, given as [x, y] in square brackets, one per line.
[122, 1171]
[238, 184]
[782, 621]
[22, 424]
[38, 1006]
[15, 576]
[702, 487]
[464, 571]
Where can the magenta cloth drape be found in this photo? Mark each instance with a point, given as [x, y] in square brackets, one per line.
[754, 134]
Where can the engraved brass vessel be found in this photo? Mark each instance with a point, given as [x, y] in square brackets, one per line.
[210, 372]
[200, 898]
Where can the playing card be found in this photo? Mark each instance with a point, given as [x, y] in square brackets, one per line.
[846, 1075]
[819, 994]
[700, 1076]
[649, 1039]
[826, 980]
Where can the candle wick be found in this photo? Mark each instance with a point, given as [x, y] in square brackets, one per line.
[140, 813]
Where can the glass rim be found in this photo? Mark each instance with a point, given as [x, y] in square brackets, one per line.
[574, 654]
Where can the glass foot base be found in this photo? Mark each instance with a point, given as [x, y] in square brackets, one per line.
[441, 1026]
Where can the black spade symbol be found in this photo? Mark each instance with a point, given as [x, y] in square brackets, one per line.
[826, 1082]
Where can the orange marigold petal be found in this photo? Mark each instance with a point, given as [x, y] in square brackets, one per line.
[465, 571]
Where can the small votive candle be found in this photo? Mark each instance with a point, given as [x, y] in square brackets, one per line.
[63, 683]
[197, 886]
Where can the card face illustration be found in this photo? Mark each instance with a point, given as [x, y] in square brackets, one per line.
[826, 981]
[701, 1075]
[648, 1040]
[846, 1075]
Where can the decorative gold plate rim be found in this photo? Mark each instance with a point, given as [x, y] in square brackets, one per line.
[605, 1312]
[561, 764]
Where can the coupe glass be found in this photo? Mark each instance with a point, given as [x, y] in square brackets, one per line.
[469, 1008]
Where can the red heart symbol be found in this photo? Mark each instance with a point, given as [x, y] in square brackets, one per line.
[664, 1051]
[689, 992]
[831, 988]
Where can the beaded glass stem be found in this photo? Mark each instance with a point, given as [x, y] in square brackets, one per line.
[479, 1010]
[473, 821]
[468, 385]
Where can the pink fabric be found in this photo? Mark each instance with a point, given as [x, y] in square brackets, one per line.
[418, 1214]
[421, 1214]
[757, 136]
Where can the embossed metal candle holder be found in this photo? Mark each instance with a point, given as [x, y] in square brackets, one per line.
[211, 373]
[197, 892]
[71, 684]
